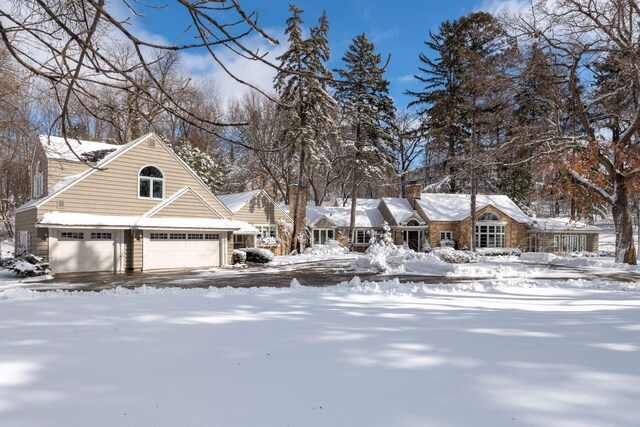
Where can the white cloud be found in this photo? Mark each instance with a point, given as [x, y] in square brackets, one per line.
[499, 7]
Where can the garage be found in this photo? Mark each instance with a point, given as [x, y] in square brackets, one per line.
[85, 250]
[181, 250]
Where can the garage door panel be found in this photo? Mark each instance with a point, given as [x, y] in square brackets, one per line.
[78, 252]
[165, 250]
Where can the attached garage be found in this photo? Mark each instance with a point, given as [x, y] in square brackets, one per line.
[76, 251]
[164, 249]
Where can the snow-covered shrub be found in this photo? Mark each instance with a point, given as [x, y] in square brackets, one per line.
[27, 265]
[607, 253]
[383, 258]
[499, 251]
[446, 243]
[268, 241]
[451, 256]
[258, 255]
[332, 247]
[382, 237]
[239, 257]
[424, 245]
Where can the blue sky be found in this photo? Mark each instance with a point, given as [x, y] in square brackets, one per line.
[397, 28]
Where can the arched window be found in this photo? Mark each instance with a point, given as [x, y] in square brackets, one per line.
[151, 183]
[488, 216]
[38, 182]
[413, 223]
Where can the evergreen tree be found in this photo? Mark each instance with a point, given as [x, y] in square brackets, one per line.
[301, 84]
[210, 171]
[363, 93]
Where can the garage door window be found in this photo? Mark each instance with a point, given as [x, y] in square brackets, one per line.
[195, 236]
[101, 236]
[177, 236]
[72, 236]
[212, 237]
[159, 236]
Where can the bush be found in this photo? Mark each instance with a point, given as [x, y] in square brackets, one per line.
[239, 257]
[499, 251]
[27, 265]
[258, 255]
[451, 256]
[268, 241]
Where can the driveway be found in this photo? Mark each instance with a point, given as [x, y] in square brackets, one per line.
[320, 273]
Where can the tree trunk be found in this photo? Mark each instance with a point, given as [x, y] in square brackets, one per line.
[297, 227]
[625, 249]
[352, 221]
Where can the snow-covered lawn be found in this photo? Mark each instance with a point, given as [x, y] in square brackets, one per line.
[500, 352]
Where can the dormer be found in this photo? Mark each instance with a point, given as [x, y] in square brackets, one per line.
[56, 159]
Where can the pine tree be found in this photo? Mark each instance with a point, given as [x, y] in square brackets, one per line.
[363, 93]
[209, 170]
[301, 84]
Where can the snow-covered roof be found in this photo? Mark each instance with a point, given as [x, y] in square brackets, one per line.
[236, 201]
[55, 147]
[455, 207]
[401, 210]
[561, 224]
[70, 219]
[367, 214]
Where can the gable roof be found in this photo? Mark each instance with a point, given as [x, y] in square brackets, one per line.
[401, 210]
[236, 201]
[561, 224]
[367, 214]
[180, 193]
[55, 147]
[455, 207]
[70, 181]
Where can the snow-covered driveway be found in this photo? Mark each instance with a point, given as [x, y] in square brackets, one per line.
[500, 353]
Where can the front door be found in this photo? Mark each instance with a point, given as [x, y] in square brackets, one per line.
[413, 239]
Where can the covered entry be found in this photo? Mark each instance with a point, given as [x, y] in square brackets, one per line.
[179, 249]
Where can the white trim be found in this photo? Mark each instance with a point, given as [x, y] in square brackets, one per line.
[319, 218]
[412, 215]
[151, 179]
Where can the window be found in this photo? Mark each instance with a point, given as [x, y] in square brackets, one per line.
[72, 235]
[38, 182]
[321, 235]
[151, 183]
[211, 237]
[100, 236]
[488, 216]
[413, 223]
[177, 236]
[570, 243]
[362, 237]
[24, 240]
[195, 236]
[270, 230]
[490, 236]
[446, 235]
[159, 236]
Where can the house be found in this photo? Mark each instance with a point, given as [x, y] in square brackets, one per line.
[134, 207]
[422, 220]
[268, 224]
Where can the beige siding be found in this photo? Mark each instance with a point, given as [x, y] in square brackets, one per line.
[324, 223]
[38, 238]
[260, 210]
[229, 248]
[187, 205]
[133, 250]
[60, 169]
[114, 190]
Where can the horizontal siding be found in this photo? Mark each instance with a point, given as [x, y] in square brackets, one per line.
[260, 210]
[38, 238]
[59, 169]
[188, 205]
[114, 190]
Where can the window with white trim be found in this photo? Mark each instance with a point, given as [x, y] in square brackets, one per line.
[69, 235]
[177, 236]
[570, 242]
[322, 235]
[23, 240]
[490, 236]
[151, 183]
[267, 230]
[195, 236]
[362, 237]
[101, 236]
[446, 235]
[159, 236]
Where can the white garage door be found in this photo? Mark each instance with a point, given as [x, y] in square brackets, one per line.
[84, 251]
[164, 249]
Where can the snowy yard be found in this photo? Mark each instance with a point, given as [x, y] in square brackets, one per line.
[501, 352]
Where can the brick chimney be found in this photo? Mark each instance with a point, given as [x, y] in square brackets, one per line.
[412, 192]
